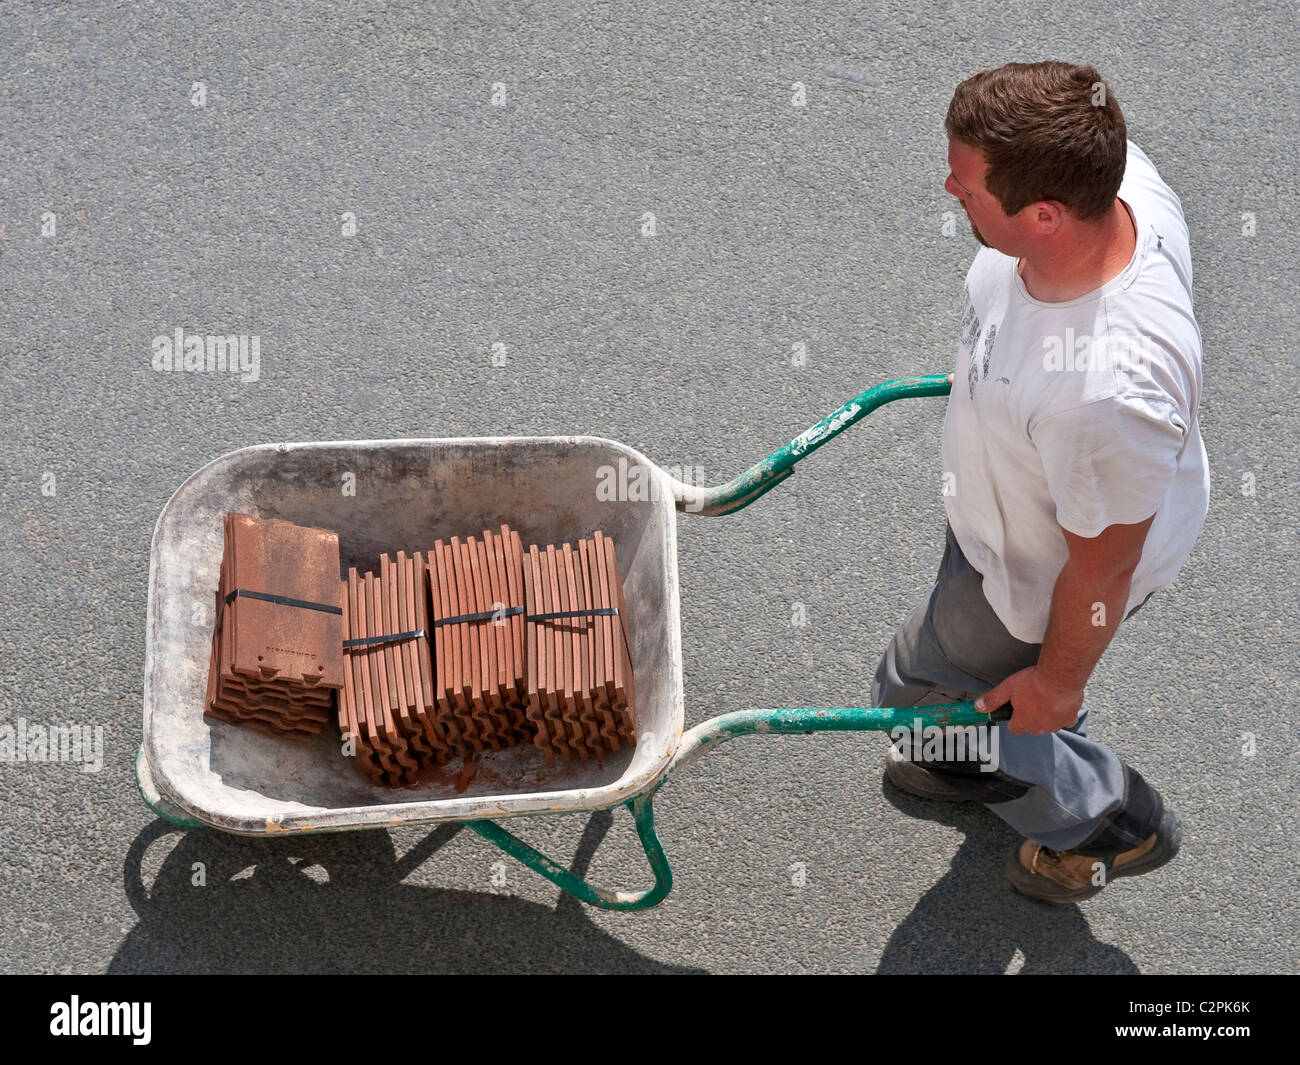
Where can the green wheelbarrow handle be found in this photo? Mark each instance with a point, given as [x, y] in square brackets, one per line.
[695, 742]
[762, 477]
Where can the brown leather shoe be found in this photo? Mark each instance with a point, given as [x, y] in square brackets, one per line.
[1065, 876]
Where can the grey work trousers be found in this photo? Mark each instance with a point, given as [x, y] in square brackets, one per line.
[1061, 789]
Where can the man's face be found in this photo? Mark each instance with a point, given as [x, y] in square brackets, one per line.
[991, 226]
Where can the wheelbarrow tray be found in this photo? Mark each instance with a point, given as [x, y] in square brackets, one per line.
[408, 493]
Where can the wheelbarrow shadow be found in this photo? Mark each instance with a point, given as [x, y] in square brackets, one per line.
[971, 921]
[337, 904]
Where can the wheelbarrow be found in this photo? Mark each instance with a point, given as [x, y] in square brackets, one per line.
[387, 495]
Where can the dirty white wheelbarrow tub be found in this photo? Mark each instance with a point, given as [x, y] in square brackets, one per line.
[408, 493]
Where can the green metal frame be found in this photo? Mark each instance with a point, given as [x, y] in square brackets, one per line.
[704, 737]
[763, 476]
[728, 498]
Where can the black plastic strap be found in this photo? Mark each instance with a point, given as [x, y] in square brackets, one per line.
[370, 641]
[604, 611]
[283, 600]
[505, 612]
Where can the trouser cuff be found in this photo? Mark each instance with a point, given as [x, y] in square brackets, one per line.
[1131, 824]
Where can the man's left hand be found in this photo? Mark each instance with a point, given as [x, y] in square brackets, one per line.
[1038, 706]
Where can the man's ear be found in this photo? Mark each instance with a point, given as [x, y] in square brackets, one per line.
[1046, 215]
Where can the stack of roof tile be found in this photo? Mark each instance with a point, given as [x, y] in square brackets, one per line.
[477, 646]
[387, 707]
[579, 681]
[476, 590]
[276, 657]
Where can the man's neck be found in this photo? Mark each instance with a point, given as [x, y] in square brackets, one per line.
[1099, 256]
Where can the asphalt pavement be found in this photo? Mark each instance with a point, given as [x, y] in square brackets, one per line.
[693, 228]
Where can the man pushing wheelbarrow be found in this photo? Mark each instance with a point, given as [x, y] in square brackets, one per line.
[1075, 478]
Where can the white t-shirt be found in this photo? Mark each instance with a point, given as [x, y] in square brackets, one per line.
[1078, 415]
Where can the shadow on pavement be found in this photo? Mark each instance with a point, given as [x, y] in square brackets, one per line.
[337, 904]
[971, 921]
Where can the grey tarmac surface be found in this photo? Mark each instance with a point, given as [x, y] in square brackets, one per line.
[522, 225]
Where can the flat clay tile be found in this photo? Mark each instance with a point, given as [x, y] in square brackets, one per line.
[276, 658]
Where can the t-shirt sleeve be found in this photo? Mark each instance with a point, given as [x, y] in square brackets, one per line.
[1109, 462]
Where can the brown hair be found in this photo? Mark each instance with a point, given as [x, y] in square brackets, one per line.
[1048, 131]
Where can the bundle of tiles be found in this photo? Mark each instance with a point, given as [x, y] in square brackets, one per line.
[387, 708]
[276, 658]
[477, 596]
[579, 682]
[416, 692]
[509, 649]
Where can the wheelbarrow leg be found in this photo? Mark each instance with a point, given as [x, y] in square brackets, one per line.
[642, 808]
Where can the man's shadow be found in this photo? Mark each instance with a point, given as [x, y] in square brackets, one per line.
[971, 921]
[337, 904]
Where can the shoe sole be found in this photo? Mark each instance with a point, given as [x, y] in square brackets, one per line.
[924, 784]
[1168, 843]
